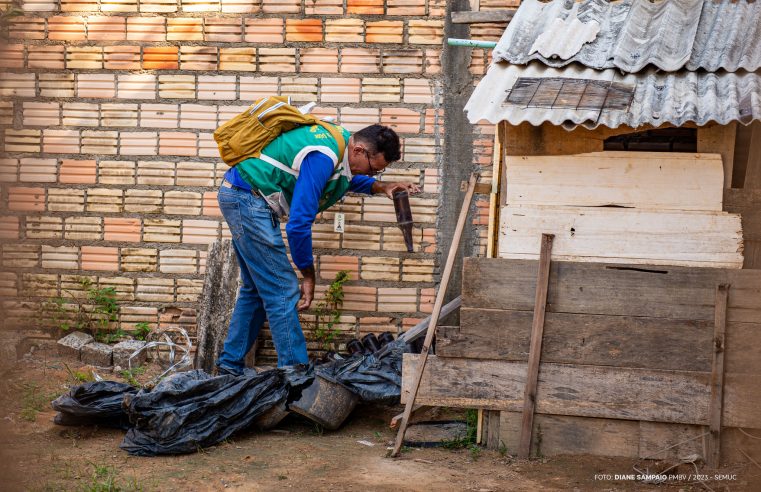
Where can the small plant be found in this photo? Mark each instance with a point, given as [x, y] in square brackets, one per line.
[328, 312]
[539, 436]
[32, 402]
[502, 449]
[103, 479]
[475, 451]
[94, 313]
[469, 439]
[131, 375]
[142, 330]
[79, 376]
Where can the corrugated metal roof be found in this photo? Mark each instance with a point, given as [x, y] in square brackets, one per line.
[670, 34]
[658, 97]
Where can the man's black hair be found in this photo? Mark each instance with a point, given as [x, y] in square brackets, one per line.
[383, 139]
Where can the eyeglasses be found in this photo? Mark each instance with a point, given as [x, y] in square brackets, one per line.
[373, 171]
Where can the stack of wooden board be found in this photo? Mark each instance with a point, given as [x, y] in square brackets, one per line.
[626, 361]
[620, 207]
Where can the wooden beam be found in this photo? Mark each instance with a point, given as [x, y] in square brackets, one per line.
[753, 165]
[642, 180]
[576, 338]
[492, 235]
[719, 139]
[437, 305]
[610, 289]
[717, 378]
[618, 235]
[502, 15]
[491, 429]
[586, 391]
[535, 350]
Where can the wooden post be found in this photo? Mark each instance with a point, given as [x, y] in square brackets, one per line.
[491, 429]
[437, 305]
[535, 349]
[717, 377]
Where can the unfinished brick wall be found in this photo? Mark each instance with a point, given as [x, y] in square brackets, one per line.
[109, 169]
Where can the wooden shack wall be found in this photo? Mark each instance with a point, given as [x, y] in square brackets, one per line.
[739, 146]
[480, 364]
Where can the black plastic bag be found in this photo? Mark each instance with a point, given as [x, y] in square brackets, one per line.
[193, 410]
[99, 402]
[375, 379]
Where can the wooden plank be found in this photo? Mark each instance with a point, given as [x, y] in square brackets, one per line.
[549, 139]
[503, 15]
[661, 441]
[589, 391]
[747, 203]
[625, 438]
[592, 288]
[743, 341]
[753, 167]
[719, 139]
[557, 434]
[744, 296]
[586, 391]
[717, 378]
[619, 341]
[619, 290]
[437, 309]
[742, 400]
[492, 236]
[535, 345]
[752, 254]
[743, 136]
[624, 179]
[615, 235]
[492, 429]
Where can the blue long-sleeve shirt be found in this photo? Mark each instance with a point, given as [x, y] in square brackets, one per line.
[315, 171]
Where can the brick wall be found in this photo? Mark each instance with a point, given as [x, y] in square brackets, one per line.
[109, 170]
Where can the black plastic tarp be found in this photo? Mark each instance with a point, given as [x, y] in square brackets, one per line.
[375, 379]
[192, 410]
[98, 403]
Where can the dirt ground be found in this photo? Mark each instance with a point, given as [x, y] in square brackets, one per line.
[36, 454]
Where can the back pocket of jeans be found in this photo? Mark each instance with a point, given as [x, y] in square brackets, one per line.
[230, 208]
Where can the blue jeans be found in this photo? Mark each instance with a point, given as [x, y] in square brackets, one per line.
[269, 286]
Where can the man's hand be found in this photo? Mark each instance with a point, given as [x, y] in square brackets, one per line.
[389, 188]
[307, 289]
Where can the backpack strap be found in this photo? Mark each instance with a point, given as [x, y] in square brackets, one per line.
[337, 135]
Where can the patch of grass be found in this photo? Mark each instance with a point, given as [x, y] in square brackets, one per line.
[475, 451]
[131, 375]
[79, 376]
[104, 479]
[502, 449]
[33, 401]
[469, 439]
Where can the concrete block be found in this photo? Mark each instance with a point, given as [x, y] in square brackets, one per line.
[71, 345]
[97, 354]
[123, 350]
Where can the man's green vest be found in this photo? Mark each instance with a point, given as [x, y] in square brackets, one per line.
[274, 172]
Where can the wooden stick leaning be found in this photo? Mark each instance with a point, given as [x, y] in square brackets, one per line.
[435, 314]
[717, 377]
[535, 349]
